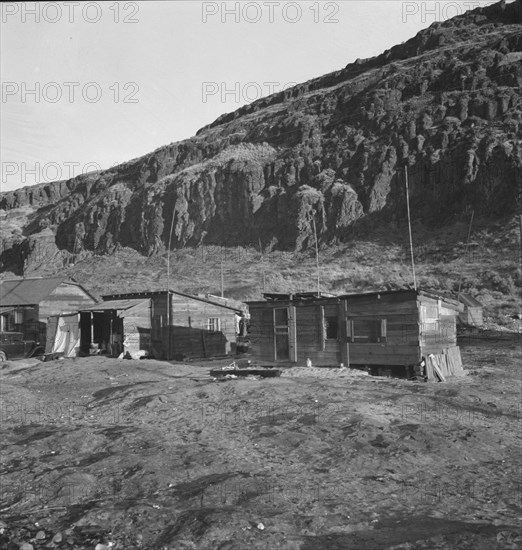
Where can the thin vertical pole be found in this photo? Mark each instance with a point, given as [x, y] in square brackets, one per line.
[467, 247]
[520, 219]
[409, 227]
[317, 259]
[168, 287]
[91, 317]
[222, 276]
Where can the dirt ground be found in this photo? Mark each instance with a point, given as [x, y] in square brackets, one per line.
[121, 454]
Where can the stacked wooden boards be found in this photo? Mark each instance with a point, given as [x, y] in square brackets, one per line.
[448, 363]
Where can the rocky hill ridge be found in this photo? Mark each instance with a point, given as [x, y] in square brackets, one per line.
[446, 105]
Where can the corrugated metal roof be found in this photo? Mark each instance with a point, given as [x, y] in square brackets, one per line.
[115, 304]
[469, 301]
[27, 292]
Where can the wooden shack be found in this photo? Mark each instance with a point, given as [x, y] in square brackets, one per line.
[26, 304]
[385, 331]
[473, 311]
[196, 326]
[113, 327]
[290, 328]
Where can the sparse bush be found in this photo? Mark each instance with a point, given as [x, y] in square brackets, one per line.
[499, 283]
[430, 283]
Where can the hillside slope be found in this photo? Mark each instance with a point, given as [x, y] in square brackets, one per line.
[446, 104]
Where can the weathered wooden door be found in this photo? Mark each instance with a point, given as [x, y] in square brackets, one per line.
[281, 334]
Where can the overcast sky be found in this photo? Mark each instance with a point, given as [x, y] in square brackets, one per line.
[89, 85]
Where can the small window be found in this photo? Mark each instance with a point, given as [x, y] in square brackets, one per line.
[214, 324]
[18, 317]
[368, 331]
[8, 322]
[281, 317]
[332, 328]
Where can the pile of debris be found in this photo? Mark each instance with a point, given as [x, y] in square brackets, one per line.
[234, 370]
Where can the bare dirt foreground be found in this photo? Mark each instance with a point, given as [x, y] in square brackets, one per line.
[100, 453]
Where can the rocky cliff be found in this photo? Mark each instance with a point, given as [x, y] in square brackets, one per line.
[444, 107]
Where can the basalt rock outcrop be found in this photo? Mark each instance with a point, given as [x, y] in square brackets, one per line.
[445, 107]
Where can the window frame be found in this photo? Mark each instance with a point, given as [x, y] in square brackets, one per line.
[18, 317]
[331, 320]
[214, 324]
[380, 329]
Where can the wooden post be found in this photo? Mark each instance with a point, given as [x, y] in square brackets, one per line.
[91, 320]
[322, 334]
[204, 344]
[343, 334]
[111, 334]
[292, 334]
[274, 335]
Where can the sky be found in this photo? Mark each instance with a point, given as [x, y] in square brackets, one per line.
[88, 85]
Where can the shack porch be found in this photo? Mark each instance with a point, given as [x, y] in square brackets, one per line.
[115, 327]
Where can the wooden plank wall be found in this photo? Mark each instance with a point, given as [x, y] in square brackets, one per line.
[438, 326]
[158, 320]
[262, 332]
[189, 322]
[187, 312]
[405, 317]
[195, 343]
[137, 327]
[402, 329]
[311, 335]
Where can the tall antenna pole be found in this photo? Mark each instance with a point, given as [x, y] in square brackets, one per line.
[222, 276]
[467, 246]
[409, 226]
[168, 286]
[520, 219]
[317, 259]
